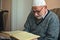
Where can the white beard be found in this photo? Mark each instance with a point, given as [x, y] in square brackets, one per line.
[39, 17]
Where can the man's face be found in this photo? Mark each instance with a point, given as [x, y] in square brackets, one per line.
[38, 11]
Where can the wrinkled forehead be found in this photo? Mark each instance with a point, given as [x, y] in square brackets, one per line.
[37, 7]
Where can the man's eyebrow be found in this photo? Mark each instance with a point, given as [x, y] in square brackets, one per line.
[36, 11]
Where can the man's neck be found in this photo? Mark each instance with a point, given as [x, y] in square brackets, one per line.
[45, 14]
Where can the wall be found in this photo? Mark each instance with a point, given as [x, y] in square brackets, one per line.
[53, 4]
[21, 9]
[0, 4]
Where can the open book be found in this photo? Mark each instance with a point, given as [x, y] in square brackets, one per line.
[22, 35]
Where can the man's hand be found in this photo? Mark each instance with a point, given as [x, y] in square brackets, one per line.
[35, 39]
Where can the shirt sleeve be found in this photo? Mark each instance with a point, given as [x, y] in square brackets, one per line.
[27, 23]
[27, 26]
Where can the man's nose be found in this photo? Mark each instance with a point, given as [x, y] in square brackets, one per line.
[36, 14]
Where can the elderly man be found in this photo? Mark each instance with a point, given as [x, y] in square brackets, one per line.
[42, 22]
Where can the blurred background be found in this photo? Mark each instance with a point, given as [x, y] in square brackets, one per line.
[18, 11]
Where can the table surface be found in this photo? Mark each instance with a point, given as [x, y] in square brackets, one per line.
[3, 35]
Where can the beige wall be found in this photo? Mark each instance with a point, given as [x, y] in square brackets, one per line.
[6, 4]
[53, 4]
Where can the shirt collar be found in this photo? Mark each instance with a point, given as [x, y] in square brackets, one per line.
[45, 14]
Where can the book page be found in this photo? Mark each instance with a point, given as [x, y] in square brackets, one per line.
[22, 35]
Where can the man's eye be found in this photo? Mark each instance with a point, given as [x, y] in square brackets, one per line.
[34, 11]
[38, 11]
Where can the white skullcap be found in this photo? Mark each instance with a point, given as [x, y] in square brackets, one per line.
[39, 3]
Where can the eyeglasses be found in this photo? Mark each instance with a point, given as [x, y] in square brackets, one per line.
[37, 11]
